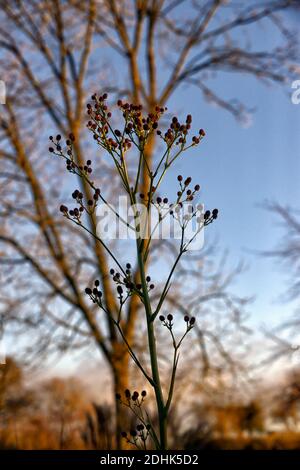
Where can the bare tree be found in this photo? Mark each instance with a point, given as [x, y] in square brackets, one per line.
[53, 53]
[285, 336]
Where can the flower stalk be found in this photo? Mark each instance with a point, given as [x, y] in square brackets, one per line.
[137, 129]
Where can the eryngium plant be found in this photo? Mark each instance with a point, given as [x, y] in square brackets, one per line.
[135, 133]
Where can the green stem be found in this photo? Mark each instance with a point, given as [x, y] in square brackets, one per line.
[162, 415]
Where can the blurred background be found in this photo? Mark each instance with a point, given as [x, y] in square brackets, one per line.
[234, 66]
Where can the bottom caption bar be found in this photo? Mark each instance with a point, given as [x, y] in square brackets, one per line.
[136, 459]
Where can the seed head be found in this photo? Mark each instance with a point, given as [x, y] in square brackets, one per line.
[215, 213]
[63, 209]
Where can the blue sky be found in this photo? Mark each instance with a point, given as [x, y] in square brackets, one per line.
[241, 168]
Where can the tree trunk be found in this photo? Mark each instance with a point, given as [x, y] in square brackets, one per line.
[120, 371]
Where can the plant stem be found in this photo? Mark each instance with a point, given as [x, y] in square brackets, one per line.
[162, 415]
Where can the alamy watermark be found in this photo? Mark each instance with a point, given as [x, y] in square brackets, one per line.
[183, 222]
[295, 98]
